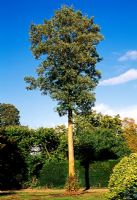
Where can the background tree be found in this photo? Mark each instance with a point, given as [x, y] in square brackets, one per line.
[23, 136]
[46, 141]
[13, 168]
[93, 119]
[23, 139]
[9, 115]
[61, 152]
[98, 138]
[33, 147]
[66, 45]
[130, 133]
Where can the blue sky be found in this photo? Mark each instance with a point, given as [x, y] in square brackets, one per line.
[117, 91]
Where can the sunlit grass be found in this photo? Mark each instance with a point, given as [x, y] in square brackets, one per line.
[32, 194]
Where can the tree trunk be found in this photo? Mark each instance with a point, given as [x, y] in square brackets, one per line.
[70, 145]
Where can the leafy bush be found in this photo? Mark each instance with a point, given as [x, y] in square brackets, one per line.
[13, 168]
[99, 173]
[15, 156]
[123, 181]
[23, 136]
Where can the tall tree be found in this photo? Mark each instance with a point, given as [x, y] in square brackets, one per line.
[9, 115]
[66, 45]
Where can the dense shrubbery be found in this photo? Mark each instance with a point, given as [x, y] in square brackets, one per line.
[49, 146]
[13, 168]
[43, 153]
[34, 147]
[54, 173]
[123, 181]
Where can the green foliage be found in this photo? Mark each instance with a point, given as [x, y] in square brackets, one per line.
[99, 144]
[35, 146]
[50, 145]
[98, 138]
[100, 171]
[123, 181]
[61, 152]
[23, 136]
[54, 173]
[109, 145]
[66, 45]
[13, 168]
[9, 115]
[34, 164]
[46, 141]
[113, 123]
[94, 119]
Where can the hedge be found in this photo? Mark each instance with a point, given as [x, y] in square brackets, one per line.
[54, 173]
[123, 181]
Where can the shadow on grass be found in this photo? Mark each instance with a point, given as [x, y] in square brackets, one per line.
[6, 193]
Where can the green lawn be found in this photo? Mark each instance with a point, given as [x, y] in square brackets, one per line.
[32, 194]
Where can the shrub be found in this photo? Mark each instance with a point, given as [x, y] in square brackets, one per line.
[15, 156]
[54, 173]
[13, 168]
[123, 181]
[99, 173]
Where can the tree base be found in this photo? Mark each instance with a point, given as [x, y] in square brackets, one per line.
[72, 184]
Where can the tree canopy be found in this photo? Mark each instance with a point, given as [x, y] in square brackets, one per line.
[130, 133]
[99, 137]
[9, 115]
[67, 44]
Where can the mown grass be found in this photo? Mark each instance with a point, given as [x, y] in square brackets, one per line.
[32, 194]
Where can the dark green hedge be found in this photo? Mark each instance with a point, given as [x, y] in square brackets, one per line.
[54, 174]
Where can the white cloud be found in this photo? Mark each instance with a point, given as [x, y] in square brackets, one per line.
[129, 55]
[123, 78]
[130, 111]
[104, 109]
